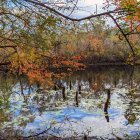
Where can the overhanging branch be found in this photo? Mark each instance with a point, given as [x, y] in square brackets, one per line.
[37, 3]
[125, 36]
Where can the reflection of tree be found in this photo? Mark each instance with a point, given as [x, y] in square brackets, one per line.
[131, 117]
[98, 77]
[133, 109]
[130, 113]
[9, 90]
[38, 134]
[6, 83]
[131, 98]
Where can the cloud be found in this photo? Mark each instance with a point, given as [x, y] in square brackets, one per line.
[88, 7]
[85, 7]
[92, 2]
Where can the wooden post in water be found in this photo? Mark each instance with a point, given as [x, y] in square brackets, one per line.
[106, 105]
[76, 99]
[63, 93]
[79, 88]
[55, 87]
[70, 85]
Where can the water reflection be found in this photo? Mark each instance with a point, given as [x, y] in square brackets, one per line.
[99, 103]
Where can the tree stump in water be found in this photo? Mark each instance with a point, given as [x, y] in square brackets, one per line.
[70, 85]
[79, 89]
[107, 105]
[76, 99]
[63, 93]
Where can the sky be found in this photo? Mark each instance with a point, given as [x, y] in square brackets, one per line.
[92, 2]
[88, 7]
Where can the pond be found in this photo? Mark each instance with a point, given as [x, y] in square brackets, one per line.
[97, 103]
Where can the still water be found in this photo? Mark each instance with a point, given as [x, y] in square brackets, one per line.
[99, 103]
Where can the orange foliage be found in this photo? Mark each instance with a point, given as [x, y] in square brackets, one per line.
[42, 67]
[132, 8]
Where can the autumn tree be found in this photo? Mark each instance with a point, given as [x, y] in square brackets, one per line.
[128, 22]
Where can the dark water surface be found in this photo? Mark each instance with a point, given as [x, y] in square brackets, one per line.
[108, 106]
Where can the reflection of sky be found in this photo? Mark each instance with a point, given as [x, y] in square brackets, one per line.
[17, 104]
[26, 89]
[94, 120]
[64, 116]
[82, 118]
[79, 119]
